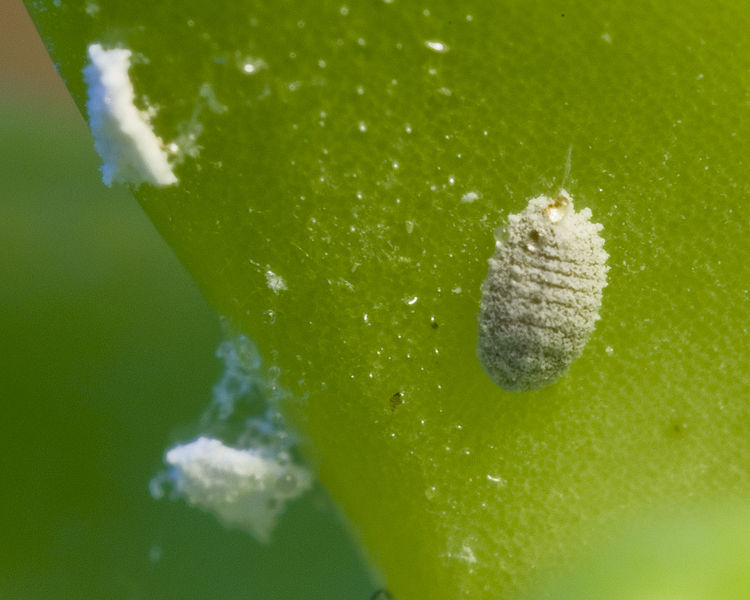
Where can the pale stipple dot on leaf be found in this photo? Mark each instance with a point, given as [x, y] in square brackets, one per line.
[542, 295]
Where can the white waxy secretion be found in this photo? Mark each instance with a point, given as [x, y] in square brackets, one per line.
[541, 298]
[245, 488]
[131, 152]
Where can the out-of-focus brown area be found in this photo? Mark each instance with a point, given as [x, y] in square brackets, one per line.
[27, 73]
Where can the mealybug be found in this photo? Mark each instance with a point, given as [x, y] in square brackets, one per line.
[541, 298]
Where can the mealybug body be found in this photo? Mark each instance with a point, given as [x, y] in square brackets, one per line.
[541, 298]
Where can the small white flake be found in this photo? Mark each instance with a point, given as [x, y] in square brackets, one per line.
[437, 46]
[465, 553]
[275, 282]
[251, 65]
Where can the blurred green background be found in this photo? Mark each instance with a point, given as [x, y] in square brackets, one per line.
[107, 353]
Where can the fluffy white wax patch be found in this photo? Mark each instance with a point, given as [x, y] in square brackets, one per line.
[243, 487]
[130, 150]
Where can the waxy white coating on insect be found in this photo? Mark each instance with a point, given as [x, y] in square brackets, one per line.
[245, 488]
[541, 298]
[131, 152]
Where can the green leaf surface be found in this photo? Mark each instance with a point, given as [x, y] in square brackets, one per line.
[353, 138]
[703, 556]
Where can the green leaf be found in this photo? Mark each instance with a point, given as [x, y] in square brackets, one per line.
[341, 212]
[703, 556]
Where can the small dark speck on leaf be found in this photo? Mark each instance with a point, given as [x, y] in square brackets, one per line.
[678, 428]
[395, 400]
